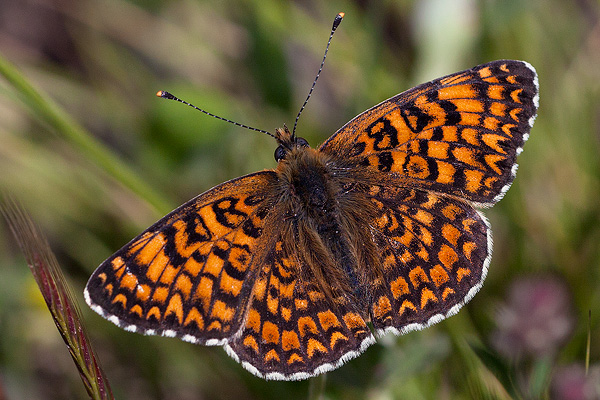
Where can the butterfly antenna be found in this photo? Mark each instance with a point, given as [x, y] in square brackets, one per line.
[336, 23]
[167, 95]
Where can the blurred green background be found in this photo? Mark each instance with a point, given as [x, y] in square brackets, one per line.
[98, 158]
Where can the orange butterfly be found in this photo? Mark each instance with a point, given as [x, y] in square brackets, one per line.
[286, 268]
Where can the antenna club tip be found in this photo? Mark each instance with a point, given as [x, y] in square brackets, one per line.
[165, 95]
[337, 20]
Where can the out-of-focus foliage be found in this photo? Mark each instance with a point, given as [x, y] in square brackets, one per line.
[98, 158]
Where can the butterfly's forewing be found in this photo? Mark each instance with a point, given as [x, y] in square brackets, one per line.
[459, 134]
[435, 252]
[292, 332]
[190, 274]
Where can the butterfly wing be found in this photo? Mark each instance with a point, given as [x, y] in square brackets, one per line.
[459, 134]
[190, 274]
[292, 331]
[435, 253]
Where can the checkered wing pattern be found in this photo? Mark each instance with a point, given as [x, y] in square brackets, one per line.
[292, 331]
[435, 252]
[459, 134]
[190, 274]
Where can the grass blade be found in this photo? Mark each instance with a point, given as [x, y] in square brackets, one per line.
[58, 297]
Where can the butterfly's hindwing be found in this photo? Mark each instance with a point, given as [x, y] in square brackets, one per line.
[292, 331]
[435, 251]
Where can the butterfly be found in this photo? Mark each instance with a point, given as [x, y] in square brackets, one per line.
[298, 269]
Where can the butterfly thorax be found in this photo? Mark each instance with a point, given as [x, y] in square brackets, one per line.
[308, 180]
[305, 178]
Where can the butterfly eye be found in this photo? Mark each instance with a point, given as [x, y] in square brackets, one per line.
[301, 142]
[280, 153]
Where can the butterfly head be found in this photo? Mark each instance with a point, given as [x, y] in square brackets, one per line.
[287, 142]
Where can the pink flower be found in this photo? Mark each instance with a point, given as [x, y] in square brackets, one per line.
[571, 383]
[535, 320]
